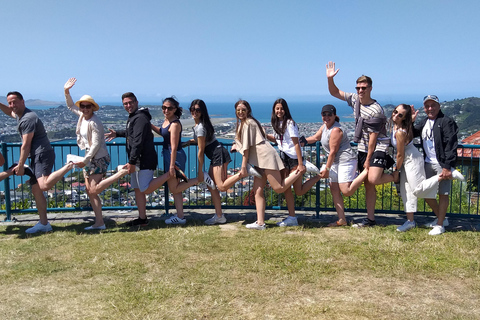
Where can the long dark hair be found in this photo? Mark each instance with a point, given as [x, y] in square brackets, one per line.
[280, 130]
[173, 100]
[249, 116]
[204, 117]
[406, 121]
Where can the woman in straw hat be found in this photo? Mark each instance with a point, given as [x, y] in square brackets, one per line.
[90, 136]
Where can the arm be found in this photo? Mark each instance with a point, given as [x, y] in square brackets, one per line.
[271, 138]
[174, 130]
[401, 138]
[68, 99]
[332, 88]
[24, 152]
[372, 143]
[7, 110]
[317, 136]
[243, 170]
[450, 130]
[335, 138]
[155, 129]
[201, 157]
[298, 151]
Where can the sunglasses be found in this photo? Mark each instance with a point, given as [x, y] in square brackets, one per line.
[86, 106]
[400, 115]
[198, 110]
[362, 88]
[430, 96]
[167, 108]
[327, 114]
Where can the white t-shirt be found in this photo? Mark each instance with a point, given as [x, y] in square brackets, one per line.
[285, 142]
[429, 142]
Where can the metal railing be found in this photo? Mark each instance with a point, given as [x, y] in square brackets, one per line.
[69, 194]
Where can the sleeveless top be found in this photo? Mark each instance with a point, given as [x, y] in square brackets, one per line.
[345, 152]
[394, 139]
[166, 136]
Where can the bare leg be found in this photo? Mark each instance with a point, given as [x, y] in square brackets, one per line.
[47, 182]
[91, 184]
[276, 182]
[349, 188]
[141, 201]
[156, 183]
[216, 199]
[105, 183]
[290, 202]
[41, 203]
[301, 189]
[258, 186]
[377, 176]
[177, 187]
[337, 200]
[178, 201]
[371, 198]
[220, 177]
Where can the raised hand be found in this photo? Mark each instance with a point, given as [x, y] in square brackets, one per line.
[69, 84]
[414, 113]
[331, 72]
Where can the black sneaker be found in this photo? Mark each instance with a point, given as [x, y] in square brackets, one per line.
[27, 171]
[137, 222]
[180, 174]
[365, 223]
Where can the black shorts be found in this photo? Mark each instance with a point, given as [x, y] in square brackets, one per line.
[220, 156]
[379, 159]
[42, 164]
[289, 163]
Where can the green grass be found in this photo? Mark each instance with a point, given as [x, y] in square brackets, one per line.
[201, 272]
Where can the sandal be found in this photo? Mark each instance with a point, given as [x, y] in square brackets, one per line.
[339, 223]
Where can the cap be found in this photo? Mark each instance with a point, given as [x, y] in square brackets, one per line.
[431, 97]
[329, 108]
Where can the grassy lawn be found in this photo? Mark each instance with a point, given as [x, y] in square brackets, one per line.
[229, 272]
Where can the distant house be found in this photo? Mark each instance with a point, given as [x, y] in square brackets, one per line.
[474, 139]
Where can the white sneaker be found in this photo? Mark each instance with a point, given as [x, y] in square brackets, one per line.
[406, 226]
[323, 168]
[102, 227]
[39, 227]
[253, 172]
[216, 219]
[175, 220]
[74, 158]
[434, 223]
[436, 230]
[311, 168]
[256, 226]
[208, 180]
[457, 175]
[288, 222]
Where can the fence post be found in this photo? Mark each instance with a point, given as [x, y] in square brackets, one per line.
[6, 184]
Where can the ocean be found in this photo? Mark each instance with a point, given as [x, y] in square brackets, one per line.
[301, 111]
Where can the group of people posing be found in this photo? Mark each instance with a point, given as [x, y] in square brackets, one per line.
[345, 169]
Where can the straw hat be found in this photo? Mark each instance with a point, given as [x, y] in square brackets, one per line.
[89, 99]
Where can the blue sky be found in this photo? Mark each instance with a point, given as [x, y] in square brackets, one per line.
[224, 50]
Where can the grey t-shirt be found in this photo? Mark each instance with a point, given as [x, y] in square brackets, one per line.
[345, 152]
[200, 131]
[28, 123]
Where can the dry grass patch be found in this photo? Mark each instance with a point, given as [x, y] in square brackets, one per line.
[229, 272]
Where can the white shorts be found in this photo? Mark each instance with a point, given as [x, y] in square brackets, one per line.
[141, 179]
[343, 171]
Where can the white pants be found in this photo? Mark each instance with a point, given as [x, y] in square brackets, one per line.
[412, 175]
